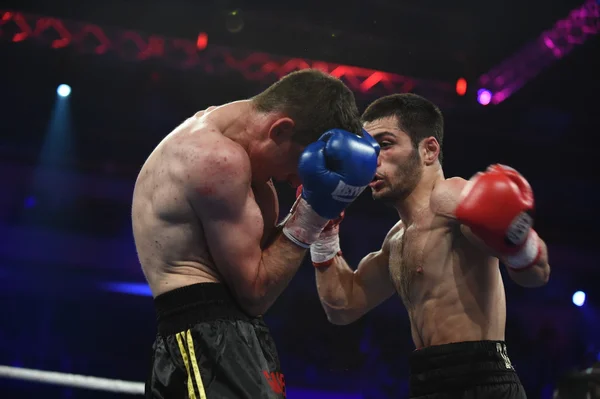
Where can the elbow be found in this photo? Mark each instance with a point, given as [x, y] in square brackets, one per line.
[253, 300]
[339, 321]
[339, 317]
[254, 310]
[252, 306]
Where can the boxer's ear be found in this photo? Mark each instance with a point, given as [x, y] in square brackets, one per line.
[430, 150]
[282, 130]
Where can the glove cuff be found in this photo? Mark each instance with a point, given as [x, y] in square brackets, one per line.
[303, 225]
[527, 256]
[326, 247]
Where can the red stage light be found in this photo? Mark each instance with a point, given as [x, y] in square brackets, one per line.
[461, 87]
[202, 41]
[131, 45]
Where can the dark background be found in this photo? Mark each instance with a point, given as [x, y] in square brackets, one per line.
[68, 167]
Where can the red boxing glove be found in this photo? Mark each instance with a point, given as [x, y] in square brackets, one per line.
[497, 206]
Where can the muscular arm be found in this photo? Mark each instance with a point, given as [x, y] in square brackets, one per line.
[218, 182]
[346, 295]
[444, 201]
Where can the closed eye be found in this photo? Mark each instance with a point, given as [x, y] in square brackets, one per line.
[385, 144]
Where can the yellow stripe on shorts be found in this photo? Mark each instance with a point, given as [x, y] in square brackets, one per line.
[195, 365]
[195, 375]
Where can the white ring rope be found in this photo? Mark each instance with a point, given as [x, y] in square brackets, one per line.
[73, 380]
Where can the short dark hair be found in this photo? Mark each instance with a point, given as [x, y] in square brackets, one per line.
[316, 101]
[417, 116]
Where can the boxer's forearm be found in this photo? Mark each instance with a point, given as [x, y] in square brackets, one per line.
[279, 263]
[334, 285]
[536, 275]
[346, 295]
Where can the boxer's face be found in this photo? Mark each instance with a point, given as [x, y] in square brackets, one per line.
[399, 166]
[284, 167]
[276, 157]
[278, 161]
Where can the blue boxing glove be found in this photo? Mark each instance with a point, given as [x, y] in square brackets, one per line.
[371, 141]
[327, 246]
[334, 171]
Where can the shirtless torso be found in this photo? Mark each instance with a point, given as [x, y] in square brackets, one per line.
[169, 236]
[451, 289]
[447, 278]
[442, 258]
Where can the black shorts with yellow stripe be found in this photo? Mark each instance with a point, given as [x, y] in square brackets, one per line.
[207, 347]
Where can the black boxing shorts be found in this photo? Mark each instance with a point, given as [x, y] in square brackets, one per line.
[207, 347]
[478, 369]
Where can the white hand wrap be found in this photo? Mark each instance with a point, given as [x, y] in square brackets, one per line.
[326, 247]
[527, 256]
[303, 225]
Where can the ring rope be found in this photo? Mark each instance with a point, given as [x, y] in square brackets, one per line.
[101, 384]
[73, 380]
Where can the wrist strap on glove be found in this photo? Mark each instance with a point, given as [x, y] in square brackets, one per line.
[303, 225]
[326, 248]
[527, 256]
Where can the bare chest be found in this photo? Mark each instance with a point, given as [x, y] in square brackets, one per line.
[417, 257]
[406, 261]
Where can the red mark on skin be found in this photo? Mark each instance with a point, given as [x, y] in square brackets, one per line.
[205, 191]
[420, 270]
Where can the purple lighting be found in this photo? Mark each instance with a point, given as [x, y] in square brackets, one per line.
[484, 96]
[549, 43]
[552, 44]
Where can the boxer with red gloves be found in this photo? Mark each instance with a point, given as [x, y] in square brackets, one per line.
[442, 256]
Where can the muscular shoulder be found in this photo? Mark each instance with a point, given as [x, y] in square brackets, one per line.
[206, 111]
[212, 165]
[446, 196]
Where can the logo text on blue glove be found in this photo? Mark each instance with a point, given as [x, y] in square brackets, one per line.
[345, 192]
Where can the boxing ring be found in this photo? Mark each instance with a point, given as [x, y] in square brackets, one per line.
[72, 380]
[117, 386]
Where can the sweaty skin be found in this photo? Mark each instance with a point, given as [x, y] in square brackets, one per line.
[449, 282]
[199, 216]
